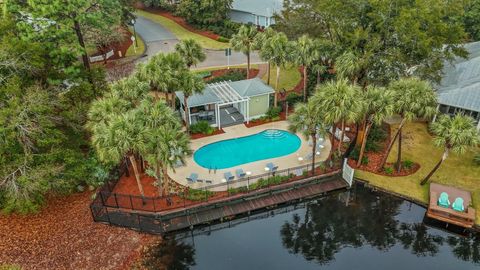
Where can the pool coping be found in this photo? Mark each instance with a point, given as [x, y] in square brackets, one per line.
[180, 174]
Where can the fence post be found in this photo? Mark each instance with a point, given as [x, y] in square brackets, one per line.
[131, 203]
[116, 201]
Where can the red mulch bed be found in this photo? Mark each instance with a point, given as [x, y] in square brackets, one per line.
[220, 72]
[258, 122]
[64, 236]
[201, 135]
[375, 158]
[181, 21]
[119, 46]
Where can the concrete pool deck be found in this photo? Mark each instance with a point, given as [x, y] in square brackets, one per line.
[256, 167]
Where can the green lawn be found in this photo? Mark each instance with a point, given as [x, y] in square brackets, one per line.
[140, 47]
[182, 33]
[289, 77]
[458, 170]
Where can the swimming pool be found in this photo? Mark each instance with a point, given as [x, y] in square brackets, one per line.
[271, 143]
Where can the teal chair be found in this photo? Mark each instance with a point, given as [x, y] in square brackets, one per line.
[443, 200]
[458, 205]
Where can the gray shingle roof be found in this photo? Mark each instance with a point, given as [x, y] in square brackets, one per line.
[259, 7]
[460, 85]
[245, 88]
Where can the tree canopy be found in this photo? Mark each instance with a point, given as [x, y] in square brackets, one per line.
[392, 38]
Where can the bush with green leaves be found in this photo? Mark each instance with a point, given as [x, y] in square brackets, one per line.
[476, 159]
[376, 137]
[202, 127]
[293, 98]
[273, 112]
[197, 194]
[388, 170]
[407, 164]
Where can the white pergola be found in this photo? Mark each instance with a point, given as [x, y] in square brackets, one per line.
[228, 96]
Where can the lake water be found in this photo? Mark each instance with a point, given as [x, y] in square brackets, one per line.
[357, 229]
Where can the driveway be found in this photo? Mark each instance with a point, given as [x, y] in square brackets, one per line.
[159, 39]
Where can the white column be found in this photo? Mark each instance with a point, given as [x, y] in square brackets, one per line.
[189, 116]
[478, 126]
[435, 116]
[218, 115]
[247, 113]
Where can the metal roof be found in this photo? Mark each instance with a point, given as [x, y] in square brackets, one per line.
[227, 92]
[259, 7]
[460, 85]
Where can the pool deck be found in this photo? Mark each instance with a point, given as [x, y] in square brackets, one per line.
[256, 168]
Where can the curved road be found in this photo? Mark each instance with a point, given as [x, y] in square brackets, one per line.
[159, 39]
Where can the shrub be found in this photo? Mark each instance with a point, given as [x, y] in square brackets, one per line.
[376, 137]
[293, 98]
[476, 159]
[355, 154]
[407, 164]
[197, 194]
[231, 75]
[201, 127]
[273, 112]
[223, 39]
[204, 74]
[388, 170]
[365, 160]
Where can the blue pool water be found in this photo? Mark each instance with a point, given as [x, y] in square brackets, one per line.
[267, 144]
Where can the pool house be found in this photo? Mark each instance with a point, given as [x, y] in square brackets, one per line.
[227, 103]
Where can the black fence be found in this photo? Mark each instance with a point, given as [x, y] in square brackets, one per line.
[143, 214]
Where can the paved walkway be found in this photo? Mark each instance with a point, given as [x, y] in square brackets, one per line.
[159, 39]
[257, 167]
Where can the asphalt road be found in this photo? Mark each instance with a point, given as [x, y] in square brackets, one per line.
[159, 39]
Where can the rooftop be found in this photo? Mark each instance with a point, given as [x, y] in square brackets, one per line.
[263, 7]
[460, 85]
[227, 92]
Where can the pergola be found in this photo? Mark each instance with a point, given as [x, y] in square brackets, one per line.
[226, 96]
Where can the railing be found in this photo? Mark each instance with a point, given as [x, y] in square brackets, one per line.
[149, 216]
[202, 195]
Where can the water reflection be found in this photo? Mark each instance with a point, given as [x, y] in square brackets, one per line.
[329, 231]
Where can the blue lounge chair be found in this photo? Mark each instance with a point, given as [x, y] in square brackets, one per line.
[228, 176]
[192, 178]
[458, 205]
[240, 173]
[443, 200]
[271, 167]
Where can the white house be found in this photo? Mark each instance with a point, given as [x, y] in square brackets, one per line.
[459, 89]
[257, 12]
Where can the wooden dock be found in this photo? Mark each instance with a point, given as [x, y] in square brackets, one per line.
[174, 221]
[464, 219]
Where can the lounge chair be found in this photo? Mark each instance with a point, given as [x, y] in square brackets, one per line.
[228, 176]
[271, 167]
[443, 200]
[240, 173]
[192, 178]
[457, 205]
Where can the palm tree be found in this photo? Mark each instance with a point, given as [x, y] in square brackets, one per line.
[190, 84]
[163, 72]
[304, 55]
[341, 102]
[348, 65]
[130, 89]
[308, 119]
[244, 41]
[378, 104]
[280, 49]
[102, 110]
[456, 134]
[123, 136]
[262, 41]
[166, 143]
[191, 51]
[413, 99]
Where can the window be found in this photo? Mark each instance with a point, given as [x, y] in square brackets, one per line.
[451, 110]
[443, 108]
